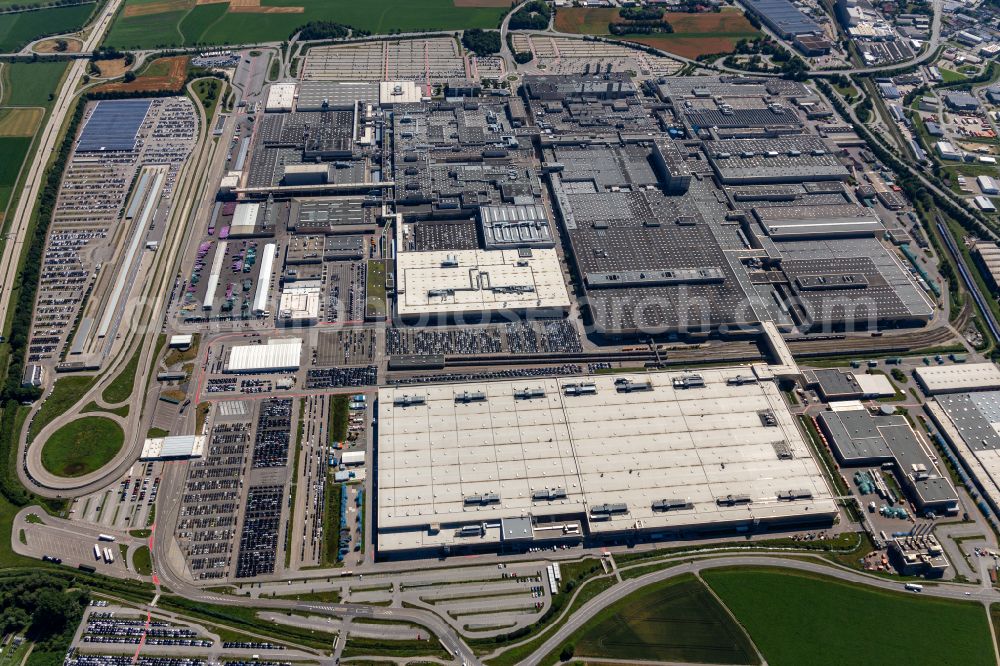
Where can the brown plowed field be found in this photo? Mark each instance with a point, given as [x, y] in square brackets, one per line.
[162, 74]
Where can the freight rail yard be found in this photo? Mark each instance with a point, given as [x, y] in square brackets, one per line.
[405, 356]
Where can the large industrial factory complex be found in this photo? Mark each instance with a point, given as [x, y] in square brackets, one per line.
[514, 464]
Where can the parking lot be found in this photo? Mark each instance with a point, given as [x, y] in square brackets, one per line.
[436, 59]
[95, 240]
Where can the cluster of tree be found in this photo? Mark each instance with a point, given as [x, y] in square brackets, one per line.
[641, 28]
[23, 308]
[534, 15]
[520, 57]
[481, 42]
[641, 13]
[25, 6]
[47, 609]
[985, 76]
[325, 30]
[111, 53]
[914, 94]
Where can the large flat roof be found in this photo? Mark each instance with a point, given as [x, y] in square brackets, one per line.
[478, 281]
[439, 445]
[958, 378]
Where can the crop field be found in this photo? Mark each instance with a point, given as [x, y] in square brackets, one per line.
[18, 29]
[694, 34]
[797, 618]
[14, 149]
[30, 84]
[676, 620]
[20, 121]
[24, 85]
[161, 23]
[161, 74]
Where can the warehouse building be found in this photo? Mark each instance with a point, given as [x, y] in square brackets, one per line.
[279, 354]
[715, 451]
[860, 439]
[783, 17]
[793, 159]
[299, 305]
[970, 422]
[939, 379]
[280, 97]
[479, 284]
[177, 447]
[335, 95]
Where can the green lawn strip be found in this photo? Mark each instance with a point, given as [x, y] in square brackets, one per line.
[293, 485]
[331, 518]
[94, 407]
[82, 446]
[142, 561]
[154, 433]
[375, 306]
[208, 91]
[65, 393]
[339, 416]
[120, 388]
[357, 646]
[673, 620]
[578, 577]
[779, 608]
[245, 618]
[321, 596]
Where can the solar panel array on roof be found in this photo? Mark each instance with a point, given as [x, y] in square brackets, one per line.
[113, 126]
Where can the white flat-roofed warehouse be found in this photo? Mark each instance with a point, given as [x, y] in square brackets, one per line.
[958, 378]
[478, 282]
[456, 461]
[280, 97]
[176, 447]
[277, 355]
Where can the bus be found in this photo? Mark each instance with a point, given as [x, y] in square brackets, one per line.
[914, 587]
[105, 537]
[97, 552]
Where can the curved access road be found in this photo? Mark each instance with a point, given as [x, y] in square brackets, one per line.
[985, 595]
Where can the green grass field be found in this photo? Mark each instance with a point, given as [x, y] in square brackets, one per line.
[14, 149]
[18, 29]
[142, 561]
[676, 620]
[30, 83]
[120, 388]
[797, 618]
[66, 393]
[82, 446]
[194, 24]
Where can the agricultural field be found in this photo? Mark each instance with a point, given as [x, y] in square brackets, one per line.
[23, 104]
[16, 30]
[159, 23]
[675, 620]
[778, 608]
[30, 84]
[161, 74]
[694, 34]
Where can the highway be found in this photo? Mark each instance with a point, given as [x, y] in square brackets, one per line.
[20, 221]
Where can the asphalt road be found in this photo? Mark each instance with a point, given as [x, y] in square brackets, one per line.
[621, 590]
[20, 221]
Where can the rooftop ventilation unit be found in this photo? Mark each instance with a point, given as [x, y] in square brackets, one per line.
[689, 381]
[792, 495]
[605, 511]
[548, 494]
[671, 505]
[450, 261]
[407, 400]
[740, 380]
[529, 394]
[733, 500]
[482, 500]
[467, 396]
[628, 386]
[767, 418]
[586, 388]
